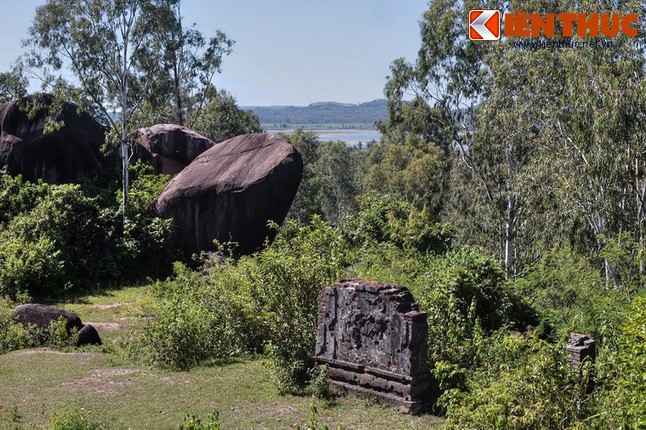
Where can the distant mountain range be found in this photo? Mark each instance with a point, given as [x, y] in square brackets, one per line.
[320, 113]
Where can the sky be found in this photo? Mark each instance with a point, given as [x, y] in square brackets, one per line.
[287, 52]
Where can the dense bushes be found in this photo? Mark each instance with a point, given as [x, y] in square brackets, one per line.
[622, 395]
[495, 344]
[264, 301]
[467, 298]
[57, 238]
[521, 383]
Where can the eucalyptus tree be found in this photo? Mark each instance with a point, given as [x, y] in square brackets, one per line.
[449, 86]
[13, 84]
[222, 119]
[124, 55]
[189, 62]
[548, 140]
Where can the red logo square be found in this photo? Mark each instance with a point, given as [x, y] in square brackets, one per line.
[484, 24]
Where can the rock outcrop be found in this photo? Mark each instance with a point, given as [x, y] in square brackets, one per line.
[169, 148]
[231, 191]
[88, 336]
[41, 316]
[55, 157]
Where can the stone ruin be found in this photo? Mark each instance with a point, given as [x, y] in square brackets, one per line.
[581, 349]
[373, 340]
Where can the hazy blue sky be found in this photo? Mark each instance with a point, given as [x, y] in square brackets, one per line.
[287, 51]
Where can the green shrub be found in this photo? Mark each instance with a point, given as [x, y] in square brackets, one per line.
[75, 232]
[18, 196]
[69, 418]
[34, 266]
[467, 298]
[266, 301]
[56, 238]
[384, 219]
[284, 283]
[319, 386]
[13, 336]
[190, 323]
[622, 396]
[192, 422]
[570, 295]
[57, 336]
[529, 385]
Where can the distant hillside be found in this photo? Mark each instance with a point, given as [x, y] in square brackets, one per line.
[321, 113]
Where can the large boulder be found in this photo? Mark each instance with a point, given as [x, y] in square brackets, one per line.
[55, 157]
[169, 148]
[231, 191]
[42, 316]
[88, 336]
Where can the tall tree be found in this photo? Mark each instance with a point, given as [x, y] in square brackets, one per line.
[124, 55]
[222, 119]
[13, 84]
[189, 63]
[547, 140]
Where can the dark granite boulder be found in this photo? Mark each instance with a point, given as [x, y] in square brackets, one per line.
[88, 336]
[55, 157]
[169, 148]
[41, 316]
[231, 191]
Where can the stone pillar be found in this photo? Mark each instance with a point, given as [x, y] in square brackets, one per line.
[373, 339]
[579, 349]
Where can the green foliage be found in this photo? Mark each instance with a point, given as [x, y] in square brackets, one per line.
[191, 323]
[622, 399]
[57, 238]
[222, 119]
[412, 170]
[313, 421]
[13, 336]
[70, 418]
[331, 179]
[383, 219]
[192, 422]
[13, 84]
[33, 266]
[266, 300]
[466, 298]
[75, 227]
[287, 372]
[18, 196]
[286, 280]
[571, 296]
[528, 385]
[57, 336]
[318, 385]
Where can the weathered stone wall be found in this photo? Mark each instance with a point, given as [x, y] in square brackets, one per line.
[373, 338]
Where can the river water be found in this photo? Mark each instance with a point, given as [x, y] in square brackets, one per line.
[350, 136]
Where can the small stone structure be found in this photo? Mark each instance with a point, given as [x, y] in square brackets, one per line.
[373, 340]
[579, 349]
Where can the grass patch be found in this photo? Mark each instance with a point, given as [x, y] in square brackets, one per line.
[38, 382]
